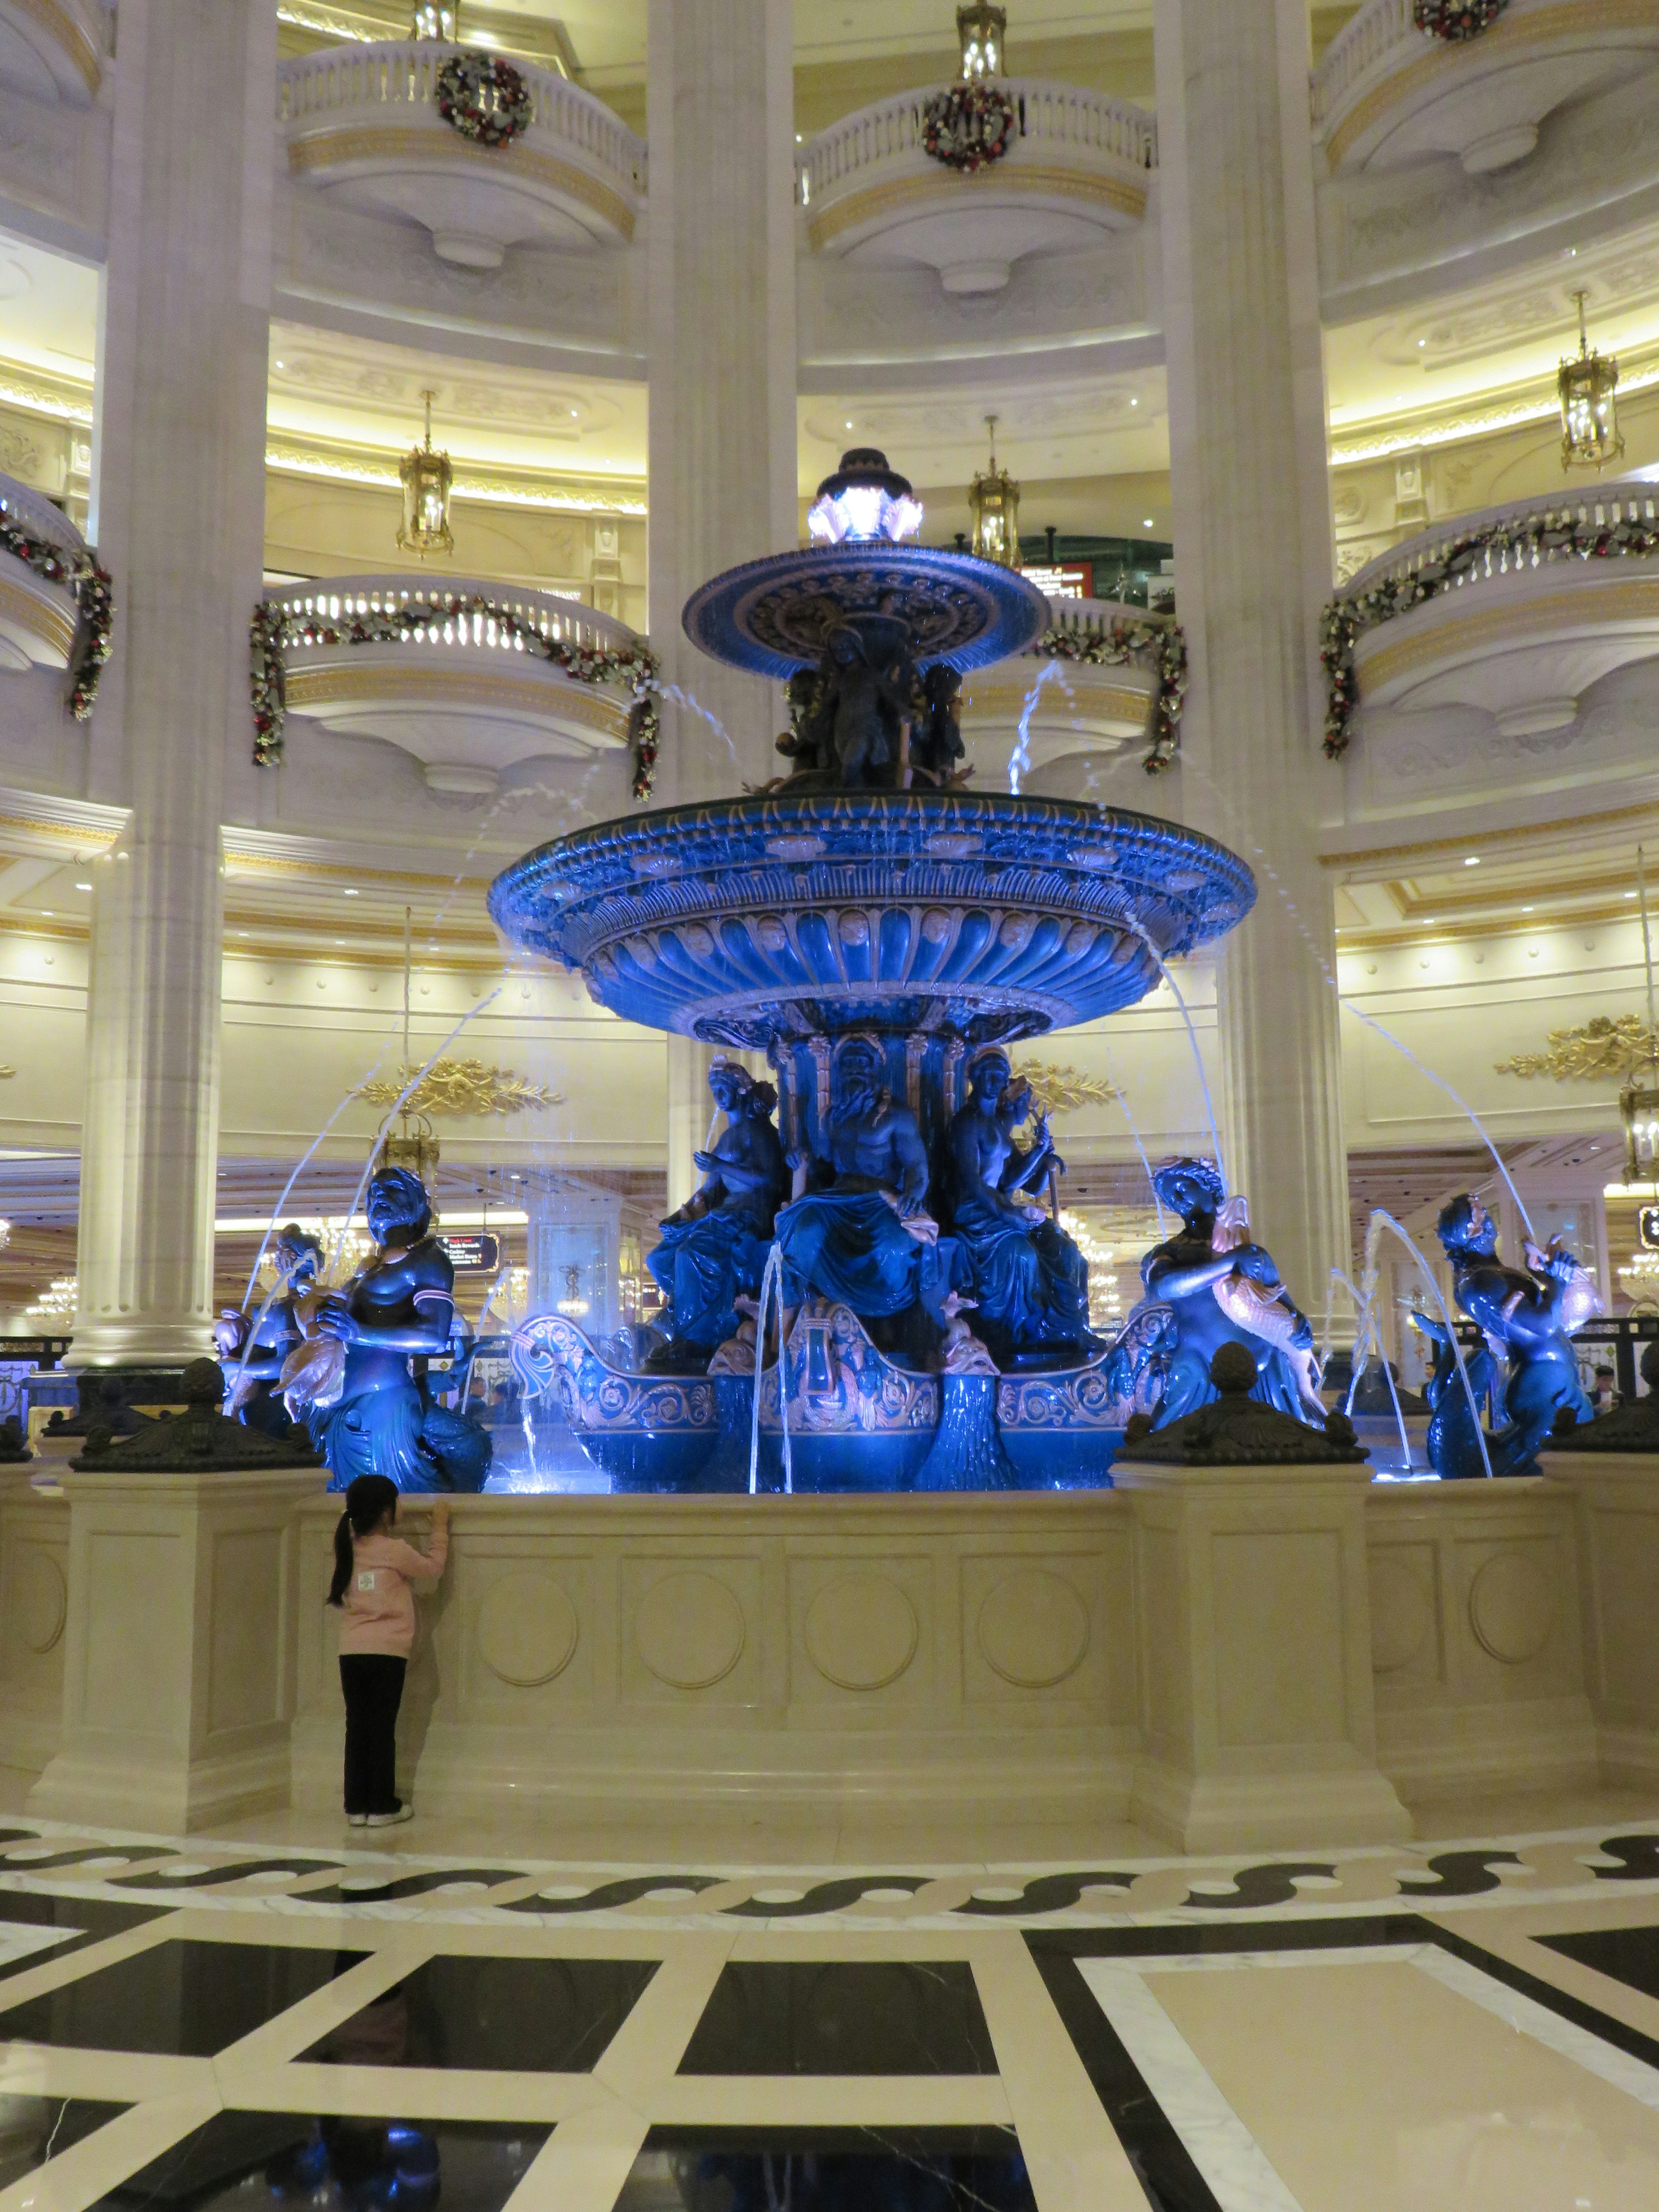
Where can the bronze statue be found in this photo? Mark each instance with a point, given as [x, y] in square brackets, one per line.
[714, 1247]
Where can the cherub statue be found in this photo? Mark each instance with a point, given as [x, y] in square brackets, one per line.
[714, 1247]
[1527, 1318]
[936, 744]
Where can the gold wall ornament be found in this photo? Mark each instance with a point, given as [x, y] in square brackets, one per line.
[980, 33]
[427, 479]
[993, 501]
[1060, 1089]
[1591, 436]
[458, 1086]
[1604, 1049]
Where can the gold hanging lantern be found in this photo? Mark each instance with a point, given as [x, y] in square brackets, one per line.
[437, 19]
[993, 501]
[980, 31]
[1589, 414]
[427, 478]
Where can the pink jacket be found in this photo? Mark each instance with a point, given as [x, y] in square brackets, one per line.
[379, 1612]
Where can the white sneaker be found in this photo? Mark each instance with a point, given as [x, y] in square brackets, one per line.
[391, 1819]
[356, 1819]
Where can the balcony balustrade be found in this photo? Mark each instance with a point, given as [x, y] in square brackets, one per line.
[1077, 168]
[463, 691]
[1526, 620]
[53, 50]
[360, 124]
[1076, 706]
[1387, 94]
[37, 617]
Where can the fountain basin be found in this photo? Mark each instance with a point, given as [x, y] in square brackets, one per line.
[763, 922]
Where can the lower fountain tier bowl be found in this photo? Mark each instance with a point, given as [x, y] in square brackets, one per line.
[761, 921]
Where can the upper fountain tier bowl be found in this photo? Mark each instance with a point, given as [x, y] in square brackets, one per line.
[763, 921]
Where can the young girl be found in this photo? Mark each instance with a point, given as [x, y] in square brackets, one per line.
[372, 1573]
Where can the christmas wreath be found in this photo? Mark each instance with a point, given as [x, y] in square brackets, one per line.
[1454, 21]
[483, 97]
[968, 126]
[1163, 644]
[275, 628]
[94, 605]
[1493, 549]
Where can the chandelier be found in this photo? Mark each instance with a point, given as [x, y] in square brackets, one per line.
[980, 33]
[436, 21]
[993, 501]
[1589, 414]
[427, 478]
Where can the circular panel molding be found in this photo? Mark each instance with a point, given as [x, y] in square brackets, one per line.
[41, 1597]
[527, 1630]
[1033, 1629]
[861, 1632]
[690, 1630]
[1513, 1607]
[1402, 1616]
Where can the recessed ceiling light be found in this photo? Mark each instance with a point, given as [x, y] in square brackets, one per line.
[1630, 895]
[1473, 862]
[1134, 402]
[1147, 524]
[49, 913]
[241, 933]
[83, 887]
[353, 895]
[339, 940]
[1526, 910]
[1422, 341]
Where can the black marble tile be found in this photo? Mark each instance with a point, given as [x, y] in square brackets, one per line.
[183, 1998]
[34, 2129]
[288, 2160]
[1630, 1955]
[829, 2170]
[82, 1921]
[500, 2015]
[877, 2016]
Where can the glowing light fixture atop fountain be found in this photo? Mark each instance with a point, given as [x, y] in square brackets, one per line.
[436, 21]
[1591, 436]
[980, 33]
[993, 501]
[427, 478]
[863, 500]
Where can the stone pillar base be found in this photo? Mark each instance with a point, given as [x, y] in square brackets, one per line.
[180, 1649]
[1254, 1623]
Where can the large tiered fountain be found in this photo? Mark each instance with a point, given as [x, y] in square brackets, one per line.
[876, 930]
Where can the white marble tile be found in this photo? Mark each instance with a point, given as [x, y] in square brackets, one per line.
[1564, 2036]
[1237, 2170]
[22, 1939]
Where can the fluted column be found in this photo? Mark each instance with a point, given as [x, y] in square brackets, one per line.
[722, 342]
[1252, 554]
[179, 493]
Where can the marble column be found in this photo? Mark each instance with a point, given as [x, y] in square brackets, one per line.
[178, 511]
[1253, 566]
[721, 262]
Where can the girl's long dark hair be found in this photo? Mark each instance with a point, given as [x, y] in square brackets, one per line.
[368, 1499]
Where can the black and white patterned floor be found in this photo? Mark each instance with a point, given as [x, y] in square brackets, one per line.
[200, 2025]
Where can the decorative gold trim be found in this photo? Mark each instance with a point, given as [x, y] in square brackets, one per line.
[1567, 18]
[59, 24]
[553, 697]
[322, 149]
[1093, 700]
[36, 614]
[932, 193]
[1561, 610]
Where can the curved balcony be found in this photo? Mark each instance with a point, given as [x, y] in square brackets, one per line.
[361, 124]
[1523, 633]
[38, 618]
[461, 695]
[1077, 168]
[53, 50]
[1078, 708]
[1386, 96]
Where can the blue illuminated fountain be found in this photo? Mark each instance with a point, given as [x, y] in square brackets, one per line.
[881, 933]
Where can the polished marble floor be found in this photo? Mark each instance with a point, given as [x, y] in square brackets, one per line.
[1466, 2024]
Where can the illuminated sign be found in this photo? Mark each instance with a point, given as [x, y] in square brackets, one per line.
[1071, 579]
[470, 1253]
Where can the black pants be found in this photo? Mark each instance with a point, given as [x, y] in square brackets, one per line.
[373, 1687]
